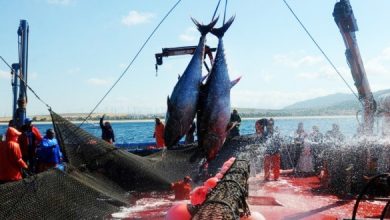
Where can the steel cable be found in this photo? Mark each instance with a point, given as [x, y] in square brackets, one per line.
[131, 62]
[318, 46]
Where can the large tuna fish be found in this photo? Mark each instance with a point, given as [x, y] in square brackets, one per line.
[182, 104]
[214, 115]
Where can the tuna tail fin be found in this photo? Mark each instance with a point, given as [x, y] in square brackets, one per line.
[204, 29]
[169, 105]
[234, 82]
[219, 32]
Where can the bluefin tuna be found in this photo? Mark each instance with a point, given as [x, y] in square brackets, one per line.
[182, 104]
[214, 115]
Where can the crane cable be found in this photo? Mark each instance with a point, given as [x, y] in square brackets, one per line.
[25, 83]
[224, 13]
[323, 53]
[131, 62]
[216, 9]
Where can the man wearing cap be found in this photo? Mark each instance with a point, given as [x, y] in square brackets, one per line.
[49, 154]
[11, 161]
[182, 188]
[107, 131]
[29, 141]
[235, 120]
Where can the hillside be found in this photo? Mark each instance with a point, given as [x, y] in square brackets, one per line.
[335, 102]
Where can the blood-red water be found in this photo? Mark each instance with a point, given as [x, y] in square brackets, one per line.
[288, 198]
[302, 198]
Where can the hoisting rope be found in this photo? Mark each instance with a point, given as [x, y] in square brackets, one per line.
[25, 83]
[216, 9]
[224, 13]
[131, 62]
[323, 53]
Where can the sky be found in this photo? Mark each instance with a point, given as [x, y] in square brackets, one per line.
[79, 48]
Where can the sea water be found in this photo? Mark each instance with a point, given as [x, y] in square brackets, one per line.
[142, 131]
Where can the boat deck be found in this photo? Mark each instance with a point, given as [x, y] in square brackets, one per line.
[294, 197]
[289, 198]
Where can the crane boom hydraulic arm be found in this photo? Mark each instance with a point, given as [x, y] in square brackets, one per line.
[345, 20]
[166, 52]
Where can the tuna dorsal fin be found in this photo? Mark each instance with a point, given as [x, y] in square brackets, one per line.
[234, 82]
[204, 29]
[178, 76]
[219, 32]
[169, 103]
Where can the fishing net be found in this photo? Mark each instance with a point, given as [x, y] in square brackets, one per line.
[130, 171]
[97, 179]
[228, 199]
[54, 193]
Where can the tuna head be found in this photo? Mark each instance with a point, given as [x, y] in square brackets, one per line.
[213, 140]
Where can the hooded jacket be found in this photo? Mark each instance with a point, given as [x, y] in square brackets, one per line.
[11, 160]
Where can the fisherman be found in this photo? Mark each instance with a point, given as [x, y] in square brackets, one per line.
[316, 139]
[11, 161]
[260, 127]
[315, 135]
[335, 134]
[49, 154]
[299, 136]
[182, 188]
[29, 141]
[305, 165]
[107, 131]
[272, 153]
[190, 134]
[10, 124]
[159, 133]
[235, 120]
[380, 188]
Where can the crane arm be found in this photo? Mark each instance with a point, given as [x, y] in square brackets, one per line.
[345, 20]
[188, 50]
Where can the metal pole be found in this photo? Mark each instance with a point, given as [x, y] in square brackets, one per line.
[23, 57]
[15, 83]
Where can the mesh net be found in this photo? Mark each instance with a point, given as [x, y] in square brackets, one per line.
[97, 179]
[63, 195]
[130, 171]
[227, 199]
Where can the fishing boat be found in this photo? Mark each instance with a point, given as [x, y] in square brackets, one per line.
[110, 178]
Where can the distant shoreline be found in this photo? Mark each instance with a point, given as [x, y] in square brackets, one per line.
[5, 122]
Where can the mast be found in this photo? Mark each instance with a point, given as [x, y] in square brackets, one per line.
[20, 69]
[345, 20]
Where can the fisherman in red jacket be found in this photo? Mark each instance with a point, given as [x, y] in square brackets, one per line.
[11, 161]
[182, 188]
[159, 133]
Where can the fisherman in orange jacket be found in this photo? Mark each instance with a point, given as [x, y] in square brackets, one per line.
[11, 161]
[159, 133]
[182, 188]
